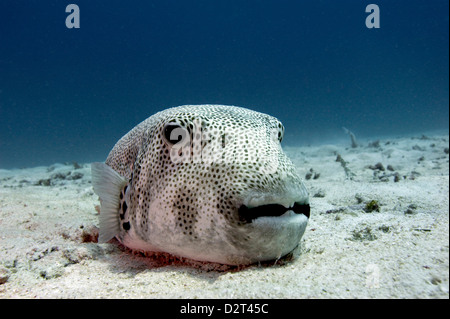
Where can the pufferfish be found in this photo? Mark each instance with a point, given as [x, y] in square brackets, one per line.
[206, 182]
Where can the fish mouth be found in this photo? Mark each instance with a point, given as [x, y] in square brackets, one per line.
[247, 214]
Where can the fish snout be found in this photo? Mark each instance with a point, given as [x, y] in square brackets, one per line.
[290, 199]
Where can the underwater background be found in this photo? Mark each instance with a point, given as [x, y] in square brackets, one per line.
[70, 94]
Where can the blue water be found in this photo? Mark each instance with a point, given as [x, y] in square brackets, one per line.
[70, 94]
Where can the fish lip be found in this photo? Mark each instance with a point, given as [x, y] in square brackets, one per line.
[247, 214]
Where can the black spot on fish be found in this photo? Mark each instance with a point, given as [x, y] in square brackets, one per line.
[126, 226]
[124, 207]
[122, 216]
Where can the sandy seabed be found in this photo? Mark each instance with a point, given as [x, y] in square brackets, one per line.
[379, 228]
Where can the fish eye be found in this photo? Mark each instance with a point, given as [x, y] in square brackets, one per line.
[280, 132]
[277, 133]
[174, 133]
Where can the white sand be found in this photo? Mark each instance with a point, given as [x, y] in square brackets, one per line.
[402, 251]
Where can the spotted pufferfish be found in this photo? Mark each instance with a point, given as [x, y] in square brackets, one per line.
[206, 182]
